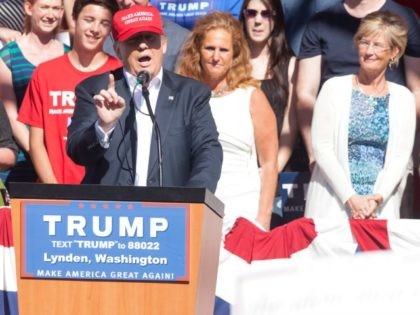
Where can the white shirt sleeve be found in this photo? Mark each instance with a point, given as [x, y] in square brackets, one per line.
[103, 136]
[402, 116]
[325, 138]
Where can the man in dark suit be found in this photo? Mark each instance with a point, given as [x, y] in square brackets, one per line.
[111, 132]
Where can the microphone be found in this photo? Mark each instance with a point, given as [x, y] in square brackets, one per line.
[143, 79]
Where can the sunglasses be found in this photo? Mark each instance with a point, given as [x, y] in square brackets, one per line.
[265, 14]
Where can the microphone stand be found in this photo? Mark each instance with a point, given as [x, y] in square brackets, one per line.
[145, 93]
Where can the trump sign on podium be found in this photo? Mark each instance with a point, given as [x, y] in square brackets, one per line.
[100, 240]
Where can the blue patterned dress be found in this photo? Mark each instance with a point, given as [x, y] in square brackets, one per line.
[367, 139]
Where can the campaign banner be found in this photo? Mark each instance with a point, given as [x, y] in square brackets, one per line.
[8, 283]
[187, 12]
[103, 240]
[289, 203]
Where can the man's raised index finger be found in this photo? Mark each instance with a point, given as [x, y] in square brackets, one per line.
[111, 82]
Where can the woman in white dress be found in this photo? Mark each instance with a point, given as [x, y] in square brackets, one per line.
[217, 54]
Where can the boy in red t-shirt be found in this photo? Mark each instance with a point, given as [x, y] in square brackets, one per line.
[49, 100]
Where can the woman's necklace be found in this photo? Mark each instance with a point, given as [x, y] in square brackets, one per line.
[370, 98]
[220, 92]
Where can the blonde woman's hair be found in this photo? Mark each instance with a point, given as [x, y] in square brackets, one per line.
[386, 23]
[239, 74]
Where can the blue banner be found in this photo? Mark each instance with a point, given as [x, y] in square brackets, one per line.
[130, 241]
[186, 12]
[289, 203]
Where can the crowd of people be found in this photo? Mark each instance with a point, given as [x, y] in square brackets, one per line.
[226, 102]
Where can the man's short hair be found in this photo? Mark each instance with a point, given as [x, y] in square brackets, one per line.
[111, 5]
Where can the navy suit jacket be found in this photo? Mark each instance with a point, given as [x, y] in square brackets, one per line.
[192, 155]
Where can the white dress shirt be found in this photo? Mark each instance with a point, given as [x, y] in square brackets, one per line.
[143, 121]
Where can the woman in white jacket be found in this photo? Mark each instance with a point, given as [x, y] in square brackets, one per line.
[363, 130]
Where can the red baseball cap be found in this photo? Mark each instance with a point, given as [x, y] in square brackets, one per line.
[136, 19]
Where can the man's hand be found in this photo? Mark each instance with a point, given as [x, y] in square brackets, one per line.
[109, 106]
